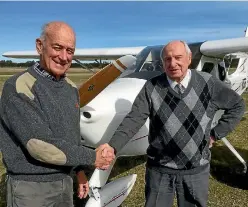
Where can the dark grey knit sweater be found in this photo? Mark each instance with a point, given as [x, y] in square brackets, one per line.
[180, 125]
[40, 134]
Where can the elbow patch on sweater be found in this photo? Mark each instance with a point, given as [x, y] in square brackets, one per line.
[24, 85]
[45, 152]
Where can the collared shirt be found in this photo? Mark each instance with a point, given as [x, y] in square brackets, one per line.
[184, 82]
[41, 71]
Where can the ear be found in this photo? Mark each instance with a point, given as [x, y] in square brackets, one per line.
[190, 58]
[39, 46]
[163, 63]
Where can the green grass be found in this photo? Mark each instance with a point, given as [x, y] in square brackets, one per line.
[227, 187]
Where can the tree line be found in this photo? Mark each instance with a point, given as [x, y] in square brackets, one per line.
[11, 64]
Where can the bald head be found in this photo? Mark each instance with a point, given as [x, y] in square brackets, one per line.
[53, 27]
[176, 58]
[187, 49]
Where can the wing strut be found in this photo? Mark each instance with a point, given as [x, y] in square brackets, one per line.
[227, 143]
[81, 64]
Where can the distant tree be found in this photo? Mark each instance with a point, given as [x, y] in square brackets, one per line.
[9, 63]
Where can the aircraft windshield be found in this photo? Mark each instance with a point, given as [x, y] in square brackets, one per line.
[149, 59]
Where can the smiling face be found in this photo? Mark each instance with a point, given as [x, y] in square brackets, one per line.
[176, 60]
[56, 48]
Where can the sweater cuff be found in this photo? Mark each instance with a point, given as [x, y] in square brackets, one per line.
[82, 156]
[115, 146]
[92, 158]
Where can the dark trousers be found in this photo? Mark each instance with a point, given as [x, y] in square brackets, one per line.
[191, 190]
[40, 194]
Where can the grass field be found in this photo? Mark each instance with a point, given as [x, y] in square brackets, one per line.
[227, 187]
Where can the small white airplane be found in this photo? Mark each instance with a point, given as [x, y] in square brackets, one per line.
[103, 114]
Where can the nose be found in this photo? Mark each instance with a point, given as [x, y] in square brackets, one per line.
[63, 55]
[173, 62]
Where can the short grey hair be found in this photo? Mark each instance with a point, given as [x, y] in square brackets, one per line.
[43, 31]
[185, 45]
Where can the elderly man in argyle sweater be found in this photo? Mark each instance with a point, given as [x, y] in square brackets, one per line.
[181, 104]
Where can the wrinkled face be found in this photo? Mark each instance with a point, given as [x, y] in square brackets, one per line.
[176, 60]
[56, 51]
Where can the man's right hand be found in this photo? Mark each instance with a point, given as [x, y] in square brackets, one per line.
[104, 156]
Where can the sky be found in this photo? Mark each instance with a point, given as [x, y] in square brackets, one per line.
[121, 24]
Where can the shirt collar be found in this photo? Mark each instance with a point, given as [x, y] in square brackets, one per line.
[184, 82]
[41, 71]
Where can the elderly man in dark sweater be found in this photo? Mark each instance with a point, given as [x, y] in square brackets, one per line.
[181, 105]
[40, 133]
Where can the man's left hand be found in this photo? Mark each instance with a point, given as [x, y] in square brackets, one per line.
[83, 185]
[212, 140]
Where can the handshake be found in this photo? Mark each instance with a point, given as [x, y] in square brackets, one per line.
[105, 155]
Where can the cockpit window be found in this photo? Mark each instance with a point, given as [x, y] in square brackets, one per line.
[149, 59]
[208, 67]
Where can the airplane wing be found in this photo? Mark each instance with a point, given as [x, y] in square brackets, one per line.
[84, 54]
[219, 48]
